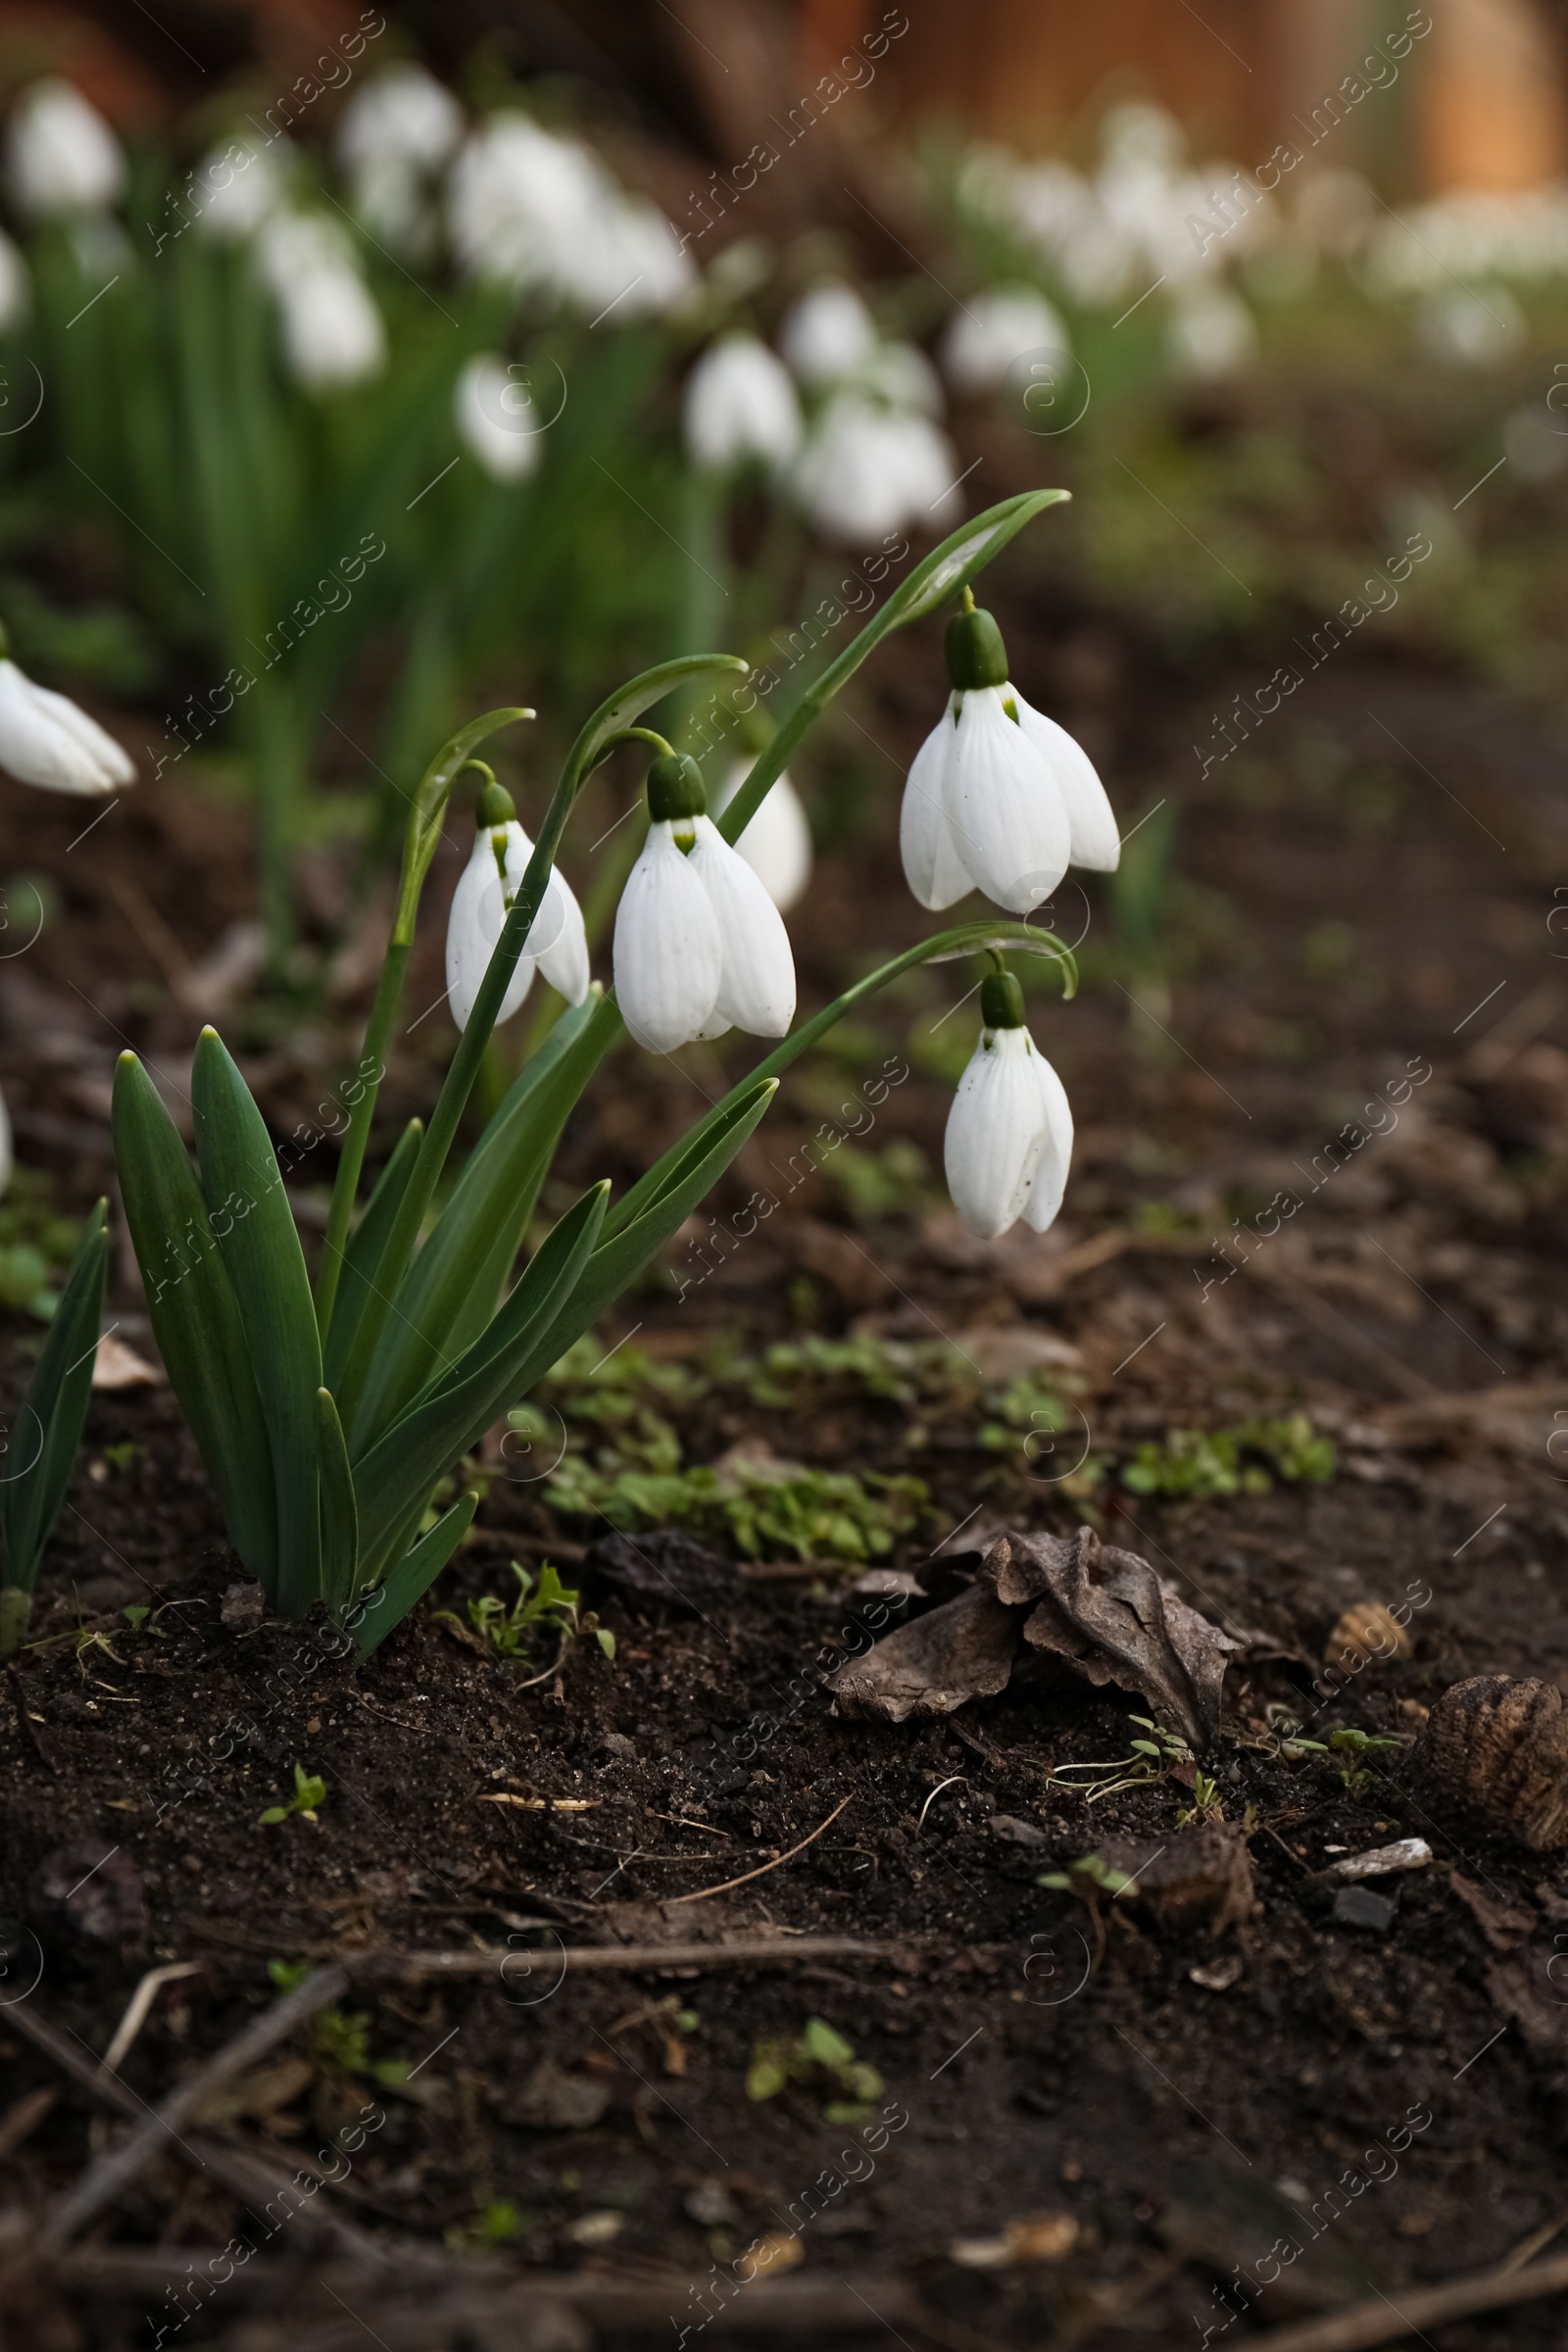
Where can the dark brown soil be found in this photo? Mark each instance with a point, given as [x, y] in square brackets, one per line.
[1180, 2096]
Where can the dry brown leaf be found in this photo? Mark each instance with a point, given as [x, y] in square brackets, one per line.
[962, 1651]
[116, 1366]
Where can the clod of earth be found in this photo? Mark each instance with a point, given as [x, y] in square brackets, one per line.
[1495, 1748]
[1101, 1613]
[95, 1890]
[1200, 1878]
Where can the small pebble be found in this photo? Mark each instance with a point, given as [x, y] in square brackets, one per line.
[1016, 1831]
[1360, 1907]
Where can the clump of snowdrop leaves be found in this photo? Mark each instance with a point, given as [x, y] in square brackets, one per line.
[496, 420]
[46, 740]
[777, 842]
[740, 407]
[542, 214]
[999, 796]
[557, 943]
[62, 158]
[1009, 1139]
[699, 947]
[332, 331]
[393, 136]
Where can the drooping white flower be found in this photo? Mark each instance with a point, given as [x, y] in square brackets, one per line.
[495, 419]
[1213, 333]
[827, 333]
[777, 842]
[995, 329]
[238, 185]
[999, 797]
[45, 739]
[699, 947]
[15, 288]
[557, 943]
[1008, 1140]
[901, 375]
[740, 403]
[332, 331]
[536, 211]
[868, 470]
[61, 155]
[405, 113]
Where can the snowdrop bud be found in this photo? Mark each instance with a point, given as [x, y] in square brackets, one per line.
[62, 156]
[995, 329]
[46, 740]
[557, 943]
[496, 420]
[777, 842]
[1009, 1132]
[827, 333]
[699, 947]
[999, 797]
[740, 404]
[16, 292]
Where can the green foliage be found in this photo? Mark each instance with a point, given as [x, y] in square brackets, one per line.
[1024, 1409]
[765, 1508]
[310, 1793]
[1200, 1465]
[1152, 1759]
[1090, 1875]
[340, 2038]
[820, 2061]
[1352, 1748]
[894, 1182]
[35, 1243]
[543, 1604]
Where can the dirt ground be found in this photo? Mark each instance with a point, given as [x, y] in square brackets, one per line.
[1094, 2116]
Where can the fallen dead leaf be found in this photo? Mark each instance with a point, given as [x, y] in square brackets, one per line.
[962, 1651]
[1034, 2237]
[543, 1804]
[116, 1366]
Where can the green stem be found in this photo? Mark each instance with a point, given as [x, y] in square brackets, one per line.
[351, 1161]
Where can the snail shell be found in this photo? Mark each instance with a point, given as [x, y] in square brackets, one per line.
[1496, 1748]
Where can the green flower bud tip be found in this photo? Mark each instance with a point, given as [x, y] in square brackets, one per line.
[675, 789]
[1002, 1000]
[976, 654]
[495, 806]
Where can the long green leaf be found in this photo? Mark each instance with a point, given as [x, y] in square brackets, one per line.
[400, 1468]
[387, 1606]
[51, 1417]
[340, 1519]
[362, 1261]
[451, 1287]
[251, 1217]
[195, 1317]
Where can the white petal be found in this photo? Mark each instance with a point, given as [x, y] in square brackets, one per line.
[668, 957]
[45, 740]
[478, 914]
[932, 864]
[1096, 842]
[777, 843]
[756, 991]
[996, 1134]
[1051, 1180]
[1008, 822]
[556, 940]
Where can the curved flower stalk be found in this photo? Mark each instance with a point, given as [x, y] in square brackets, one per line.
[999, 797]
[1008, 1141]
[326, 1422]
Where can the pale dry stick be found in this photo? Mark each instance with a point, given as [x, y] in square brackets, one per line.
[138, 2007]
[630, 1959]
[99, 2186]
[1381, 2322]
[703, 1892]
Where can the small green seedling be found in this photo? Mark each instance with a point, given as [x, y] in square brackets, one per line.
[340, 2037]
[1152, 1758]
[309, 1795]
[1205, 1800]
[1090, 1875]
[136, 1615]
[1353, 1747]
[818, 2060]
[542, 1604]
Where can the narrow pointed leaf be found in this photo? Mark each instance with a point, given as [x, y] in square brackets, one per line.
[430, 808]
[363, 1258]
[340, 1519]
[195, 1317]
[251, 1217]
[49, 1425]
[387, 1606]
[628, 703]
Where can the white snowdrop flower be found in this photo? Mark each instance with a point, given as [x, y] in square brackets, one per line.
[557, 943]
[655, 274]
[1472, 329]
[992, 329]
[334, 335]
[999, 796]
[740, 404]
[1211, 332]
[699, 947]
[867, 470]
[517, 198]
[61, 155]
[403, 113]
[46, 740]
[496, 420]
[827, 333]
[15, 288]
[776, 844]
[901, 375]
[1008, 1140]
[239, 186]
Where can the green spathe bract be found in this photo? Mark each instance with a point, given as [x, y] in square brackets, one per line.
[328, 1423]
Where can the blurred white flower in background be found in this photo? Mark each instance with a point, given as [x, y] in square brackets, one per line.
[1470, 329]
[1213, 333]
[868, 470]
[827, 334]
[740, 404]
[46, 740]
[16, 287]
[901, 375]
[332, 331]
[995, 328]
[495, 419]
[393, 136]
[777, 843]
[239, 186]
[541, 212]
[60, 156]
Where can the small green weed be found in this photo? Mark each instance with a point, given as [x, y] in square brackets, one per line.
[543, 1604]
[1199, 1465]
[309, 1794]
[35, 1243]
[1152, 1758]
[807, 1514]
[340, 2037]
[818, 2060]
[1091, 1874]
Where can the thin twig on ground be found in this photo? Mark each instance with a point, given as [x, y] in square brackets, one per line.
[624, 1959]
[1384, 2321]
[778, 1863]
